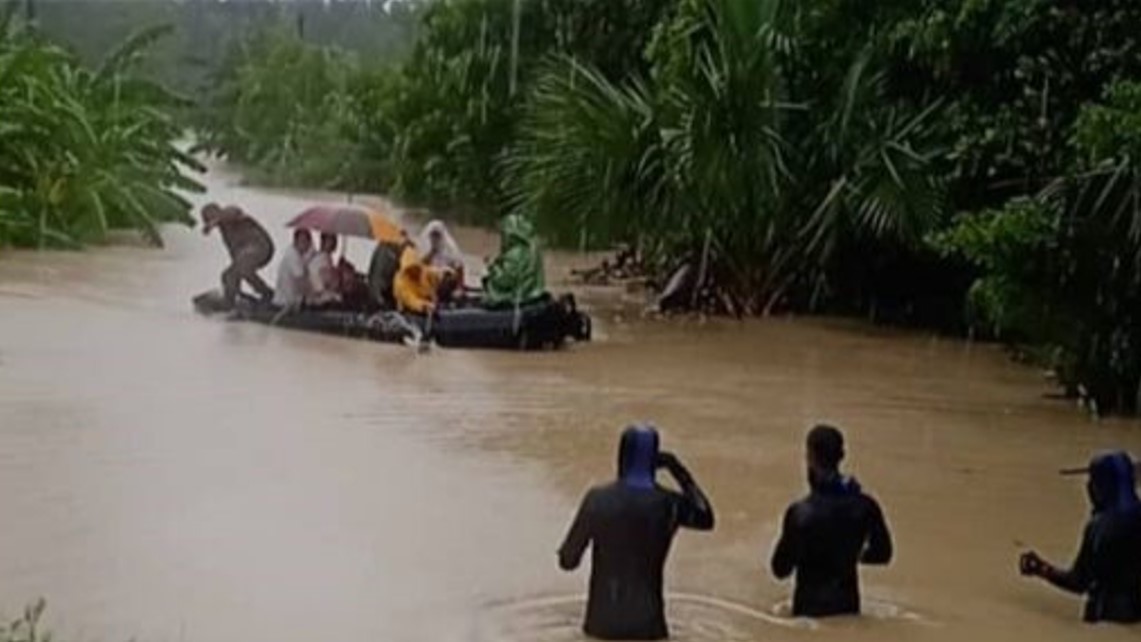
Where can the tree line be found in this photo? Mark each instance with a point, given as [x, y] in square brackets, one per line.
[966, 165]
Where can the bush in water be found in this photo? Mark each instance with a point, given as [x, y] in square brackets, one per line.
[1063, 270]
[26, 628]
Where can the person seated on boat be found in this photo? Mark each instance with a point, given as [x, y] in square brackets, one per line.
[515, 277]
[353, 287]
[324, 278]
[293, 272]
[382, 269]
[416, 285]
[439, 250]
[1107, 568]
[249, 245]
[450, 291]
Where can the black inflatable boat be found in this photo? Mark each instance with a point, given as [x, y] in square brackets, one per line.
[547, 323]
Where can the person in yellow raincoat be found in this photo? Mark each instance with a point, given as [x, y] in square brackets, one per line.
[416, 284]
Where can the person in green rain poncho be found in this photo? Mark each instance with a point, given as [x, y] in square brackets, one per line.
[515, 277]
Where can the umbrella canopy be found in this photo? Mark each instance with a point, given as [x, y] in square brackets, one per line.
[349, 220]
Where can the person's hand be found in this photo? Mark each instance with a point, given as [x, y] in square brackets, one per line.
[1031, 565]
[429, 309]
[667, 460]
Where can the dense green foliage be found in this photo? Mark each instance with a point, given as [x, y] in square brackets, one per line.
[1063, 270]
[280, 107]
[939, 162]
[84, 150]
[204, 31]
[785, 173]
[432, 128]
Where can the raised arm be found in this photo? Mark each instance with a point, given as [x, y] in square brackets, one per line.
[694, 509]
[879, 549]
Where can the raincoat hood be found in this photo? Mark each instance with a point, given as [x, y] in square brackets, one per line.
[449, 251]
[515, 277]
[638, 456]
[1112, 484]
[514, 230]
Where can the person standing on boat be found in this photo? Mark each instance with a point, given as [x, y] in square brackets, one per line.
[249, 245]
[515, 277]
[629, 525]
[293, 271]
[826, 535]
[1108, 565]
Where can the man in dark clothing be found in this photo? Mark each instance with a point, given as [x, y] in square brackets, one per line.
[1108, 566]
[249, 245]
[827, 534]
[630, 524]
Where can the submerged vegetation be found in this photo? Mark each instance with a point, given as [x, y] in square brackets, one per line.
[26, 627]
[84, 151]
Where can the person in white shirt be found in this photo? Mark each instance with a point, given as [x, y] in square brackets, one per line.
[324, 281]
[292, 272]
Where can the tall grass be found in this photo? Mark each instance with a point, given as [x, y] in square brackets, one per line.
[26, 627]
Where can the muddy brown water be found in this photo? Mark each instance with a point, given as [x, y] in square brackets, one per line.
[169, 477]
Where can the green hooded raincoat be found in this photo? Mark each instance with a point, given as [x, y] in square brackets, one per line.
[515, 277]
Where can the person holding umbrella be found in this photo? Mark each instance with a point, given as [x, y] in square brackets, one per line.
[1108, 565]
[351, 220]
[249, 245]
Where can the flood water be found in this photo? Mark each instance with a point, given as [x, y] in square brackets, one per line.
[165, 477]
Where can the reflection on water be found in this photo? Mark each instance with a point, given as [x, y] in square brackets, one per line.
[692, 618]
[168, 477]
[872, 609]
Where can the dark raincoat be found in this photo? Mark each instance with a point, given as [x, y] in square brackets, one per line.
[1108, 565]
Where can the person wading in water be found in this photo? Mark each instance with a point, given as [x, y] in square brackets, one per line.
[629, 524]
[1108, 565]
[826, 535]
[249, 245]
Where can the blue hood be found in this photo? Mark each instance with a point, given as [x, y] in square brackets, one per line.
[638, 456]
[1112, 486]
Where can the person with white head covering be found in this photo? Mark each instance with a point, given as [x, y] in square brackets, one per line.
[438, 249]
